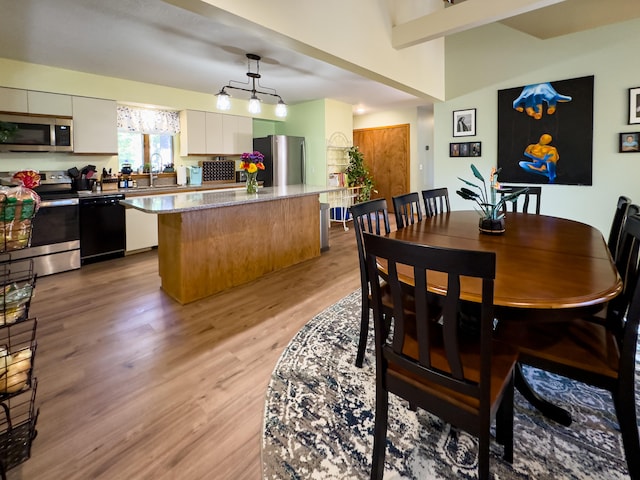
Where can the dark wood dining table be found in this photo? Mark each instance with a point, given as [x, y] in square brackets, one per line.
[545, 267]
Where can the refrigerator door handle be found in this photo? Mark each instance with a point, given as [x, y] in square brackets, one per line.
[303, 159]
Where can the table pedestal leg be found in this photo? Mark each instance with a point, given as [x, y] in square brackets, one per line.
[548, 409]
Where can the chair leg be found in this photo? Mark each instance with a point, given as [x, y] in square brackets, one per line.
[504, 423]
[364, 331]
[483, 454]
[625, 405]
[380, 433]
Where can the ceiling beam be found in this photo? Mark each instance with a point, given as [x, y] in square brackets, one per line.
[466, 15]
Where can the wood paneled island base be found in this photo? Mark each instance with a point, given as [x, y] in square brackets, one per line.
[202, 252]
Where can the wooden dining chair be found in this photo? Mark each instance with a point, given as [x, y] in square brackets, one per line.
[523, 199]
[371, 217]
[601, 354]
[617, 224]
[436, 201]
[465, 380]
[407, 209]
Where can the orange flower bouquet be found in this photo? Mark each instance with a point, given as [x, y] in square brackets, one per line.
[251, 162]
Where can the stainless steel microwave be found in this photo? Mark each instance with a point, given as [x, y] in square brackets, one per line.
[33, 133]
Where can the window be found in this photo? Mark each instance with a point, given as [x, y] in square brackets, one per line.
[145, 137]
[144, 149]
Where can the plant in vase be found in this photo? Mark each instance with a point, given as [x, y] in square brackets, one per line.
[489, 206]
[251, 162]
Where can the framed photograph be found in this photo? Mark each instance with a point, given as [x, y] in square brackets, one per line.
[464, 149]
[475, 149]
[464, 123]
[454, 149]
[634, 105]
[629, 142]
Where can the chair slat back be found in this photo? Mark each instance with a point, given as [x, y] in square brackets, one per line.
[524, 199]
[617, 224]
[629, 270]
[371, 217]
[407, 209]
[423, 261]
[436, 201]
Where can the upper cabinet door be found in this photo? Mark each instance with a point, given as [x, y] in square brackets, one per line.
[214, 127]
[193, 133]
[44, 103]
[13, 100]
[237, 134]
[95, 126]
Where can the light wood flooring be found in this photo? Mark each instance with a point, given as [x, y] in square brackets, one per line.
[133, 385]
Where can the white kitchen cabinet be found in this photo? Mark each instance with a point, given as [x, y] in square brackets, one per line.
[44, 103]
[237, 134]
[214, 140]
[95, 126]
[142, 230]
[193, 133]
[13, 100]
[209, 133]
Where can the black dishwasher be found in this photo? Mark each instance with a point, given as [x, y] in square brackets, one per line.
[102, 228]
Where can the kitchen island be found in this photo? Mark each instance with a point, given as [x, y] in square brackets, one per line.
[211, 241]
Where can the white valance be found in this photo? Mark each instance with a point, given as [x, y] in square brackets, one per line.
[142, 120]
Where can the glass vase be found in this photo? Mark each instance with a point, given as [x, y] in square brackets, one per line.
[252, 182]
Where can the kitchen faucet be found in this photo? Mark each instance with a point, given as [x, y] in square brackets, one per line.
[151, 177]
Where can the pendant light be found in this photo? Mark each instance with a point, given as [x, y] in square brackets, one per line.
[223, 101]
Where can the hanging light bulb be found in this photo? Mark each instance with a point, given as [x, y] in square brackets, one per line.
[281, 109]
[223, 102]
[254, 104]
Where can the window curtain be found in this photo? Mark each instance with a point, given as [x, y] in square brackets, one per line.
[142, 120]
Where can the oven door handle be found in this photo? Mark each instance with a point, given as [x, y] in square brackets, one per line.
[59, 203]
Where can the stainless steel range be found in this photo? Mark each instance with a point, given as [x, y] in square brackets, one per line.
[55, 236]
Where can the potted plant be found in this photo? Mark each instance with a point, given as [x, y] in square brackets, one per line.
[489, 206]
[168, 168]
[358, 174]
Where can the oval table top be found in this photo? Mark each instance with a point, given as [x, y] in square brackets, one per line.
[542, 262]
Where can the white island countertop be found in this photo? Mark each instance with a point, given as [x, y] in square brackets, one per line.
[190, 201]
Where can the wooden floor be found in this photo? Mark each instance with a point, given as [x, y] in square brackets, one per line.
[133, 385]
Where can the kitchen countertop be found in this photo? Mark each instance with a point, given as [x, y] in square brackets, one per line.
[163, 190]
[199, 200]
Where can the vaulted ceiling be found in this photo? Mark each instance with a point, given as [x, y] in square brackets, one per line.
[157, 42]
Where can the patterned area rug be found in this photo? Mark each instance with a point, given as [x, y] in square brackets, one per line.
[319, 419]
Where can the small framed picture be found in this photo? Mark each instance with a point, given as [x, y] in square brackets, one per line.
[454, 149]
[464, 123]
[475, 149]
[634, 105]
[629, 142]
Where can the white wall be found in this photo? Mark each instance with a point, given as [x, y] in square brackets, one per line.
[484, 60]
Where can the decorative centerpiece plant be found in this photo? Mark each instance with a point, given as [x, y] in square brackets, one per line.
[358, 175]
[489, 206]
[251, 162]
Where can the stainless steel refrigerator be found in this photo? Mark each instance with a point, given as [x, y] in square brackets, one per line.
[284, 160]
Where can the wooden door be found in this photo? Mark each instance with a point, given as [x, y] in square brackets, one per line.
[386, 154]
